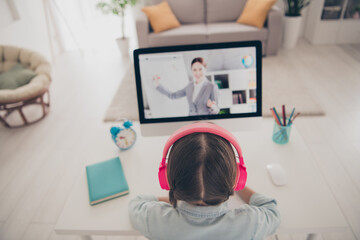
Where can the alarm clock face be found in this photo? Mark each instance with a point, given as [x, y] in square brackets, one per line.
[126, 138]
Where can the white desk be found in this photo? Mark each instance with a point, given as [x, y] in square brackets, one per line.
[306, 202]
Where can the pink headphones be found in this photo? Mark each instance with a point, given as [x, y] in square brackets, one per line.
[207, 128]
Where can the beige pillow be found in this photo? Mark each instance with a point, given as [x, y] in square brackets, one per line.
[161, 17]
[255, 12]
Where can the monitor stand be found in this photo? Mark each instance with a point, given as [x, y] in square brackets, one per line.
[231, 124]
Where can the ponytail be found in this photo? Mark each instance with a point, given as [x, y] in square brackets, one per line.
[172, 200]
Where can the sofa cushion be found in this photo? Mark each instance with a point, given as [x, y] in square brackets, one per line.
[232, 31]
[161, 17]
[223, 10]
[186, 34]
[255, 12]
[187, 11]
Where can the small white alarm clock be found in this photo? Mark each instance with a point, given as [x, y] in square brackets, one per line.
[124, 137]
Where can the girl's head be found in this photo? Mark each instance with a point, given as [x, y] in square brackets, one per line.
[198, 68]
[201, 169]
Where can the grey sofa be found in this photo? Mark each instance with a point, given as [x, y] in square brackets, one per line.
[210, 21]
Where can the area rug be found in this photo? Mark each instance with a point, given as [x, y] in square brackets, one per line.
[276, 91]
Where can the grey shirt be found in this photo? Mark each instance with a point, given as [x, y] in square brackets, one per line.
[160, 220]
[199, 106]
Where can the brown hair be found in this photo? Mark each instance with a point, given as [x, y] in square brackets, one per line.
[201, 167]
[199, 60]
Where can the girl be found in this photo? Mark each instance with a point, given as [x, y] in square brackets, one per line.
[201, 175]
[201, 94]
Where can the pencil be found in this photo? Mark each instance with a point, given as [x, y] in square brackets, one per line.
[276, 119]
[292, 113]
[277, 115]
[284, 114]
[295, 117]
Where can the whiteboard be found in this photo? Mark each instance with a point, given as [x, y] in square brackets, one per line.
[173, 76]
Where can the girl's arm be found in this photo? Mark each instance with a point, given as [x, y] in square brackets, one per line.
[139, 208]
[246, 194]
[265, 208]
[164, 199]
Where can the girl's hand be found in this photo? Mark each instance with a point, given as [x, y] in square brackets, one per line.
[210, 103]
[156, 80]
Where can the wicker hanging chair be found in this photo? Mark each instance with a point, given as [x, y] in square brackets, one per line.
[35, 93]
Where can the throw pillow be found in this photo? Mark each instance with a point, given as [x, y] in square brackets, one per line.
[16, 77]
[161, 17]
[255, 12]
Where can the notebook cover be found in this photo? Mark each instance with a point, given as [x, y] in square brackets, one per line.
[106, 180]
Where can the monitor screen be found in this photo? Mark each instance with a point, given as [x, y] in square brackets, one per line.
[198, 82]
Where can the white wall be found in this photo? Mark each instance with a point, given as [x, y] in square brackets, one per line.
[90, 27]
[28, 32]
[5, 14]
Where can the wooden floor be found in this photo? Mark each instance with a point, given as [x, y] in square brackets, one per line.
[39, 164]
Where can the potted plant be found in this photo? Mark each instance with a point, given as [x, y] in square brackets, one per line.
[293, 21]
[117, 7]
[356, 12]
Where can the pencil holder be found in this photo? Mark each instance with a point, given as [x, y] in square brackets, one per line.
[281, 134]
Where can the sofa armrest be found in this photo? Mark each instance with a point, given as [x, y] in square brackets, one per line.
[142, 29]
[275, 26]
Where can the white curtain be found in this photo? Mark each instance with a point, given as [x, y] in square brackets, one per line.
[79, 25]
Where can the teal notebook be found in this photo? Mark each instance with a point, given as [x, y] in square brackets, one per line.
[106, 180]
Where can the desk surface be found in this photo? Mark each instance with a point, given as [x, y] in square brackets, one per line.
[306, 202]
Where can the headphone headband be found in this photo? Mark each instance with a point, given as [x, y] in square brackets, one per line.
[203, 128]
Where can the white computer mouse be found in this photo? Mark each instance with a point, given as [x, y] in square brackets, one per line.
[277, 173]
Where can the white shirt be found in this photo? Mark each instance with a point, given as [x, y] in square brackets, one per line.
[197, 88]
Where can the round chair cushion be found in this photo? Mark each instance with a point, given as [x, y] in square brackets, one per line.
[16, 77]
[9, 56]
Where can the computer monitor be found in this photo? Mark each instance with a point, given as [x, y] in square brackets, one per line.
[178, 85]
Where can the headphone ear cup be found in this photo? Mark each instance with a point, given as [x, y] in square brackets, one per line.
[241, 177]
[163, 177]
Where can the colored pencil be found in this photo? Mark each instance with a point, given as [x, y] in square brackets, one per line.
[292, 113]
[284, 114]
[295, 117]
[276, 119]
[277, 115]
